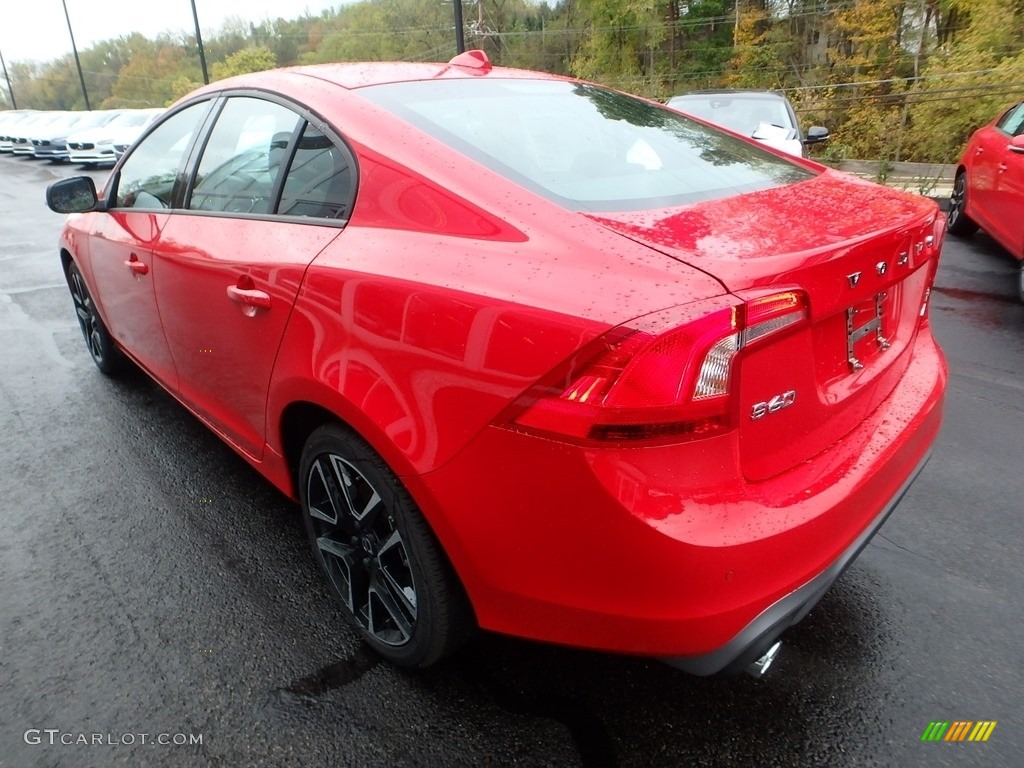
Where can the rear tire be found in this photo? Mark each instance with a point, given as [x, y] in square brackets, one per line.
[958, 222]
[104, 352]
[1020, 282]
[378, 553]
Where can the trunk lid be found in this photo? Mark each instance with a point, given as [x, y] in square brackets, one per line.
[865, 256]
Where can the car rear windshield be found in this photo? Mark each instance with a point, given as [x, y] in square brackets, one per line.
[585, 147]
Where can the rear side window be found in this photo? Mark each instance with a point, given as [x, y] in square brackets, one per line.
[147, 178]
[585, 147]
[242, 158]
[319, 181]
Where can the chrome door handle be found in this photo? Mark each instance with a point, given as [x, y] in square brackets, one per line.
[250, 298]
[137, 267]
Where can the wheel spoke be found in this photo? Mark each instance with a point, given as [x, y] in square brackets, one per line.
[322, 493]
[96, 344]
[394, 568]
[360, 496]
[344, 568]
[389, 621]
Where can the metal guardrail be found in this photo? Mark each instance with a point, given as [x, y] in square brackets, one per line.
[875, 168]
[934, 180]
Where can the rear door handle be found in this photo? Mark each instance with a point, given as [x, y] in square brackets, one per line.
[137, 267]
[251, 299]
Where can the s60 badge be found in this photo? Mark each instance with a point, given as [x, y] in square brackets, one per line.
[776, 404]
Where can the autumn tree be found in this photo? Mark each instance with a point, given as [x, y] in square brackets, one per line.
[974, 73]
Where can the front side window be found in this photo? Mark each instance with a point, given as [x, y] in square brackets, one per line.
[243, 156]
[147, 178]
[585, 147]
[1012, 123]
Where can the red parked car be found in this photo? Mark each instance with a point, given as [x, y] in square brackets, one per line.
[534, 355]
[988, 190]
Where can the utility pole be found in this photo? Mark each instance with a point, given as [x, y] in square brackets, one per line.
[460, 42]
[14, 104]
[74, 49]
[199, 42]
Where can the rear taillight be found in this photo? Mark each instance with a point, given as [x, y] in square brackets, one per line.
[665, 375]
[932, 249]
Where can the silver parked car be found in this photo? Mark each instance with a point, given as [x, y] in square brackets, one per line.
[766, 116]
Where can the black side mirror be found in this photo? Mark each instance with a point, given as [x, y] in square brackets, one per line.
[74, 195]
[816, 134]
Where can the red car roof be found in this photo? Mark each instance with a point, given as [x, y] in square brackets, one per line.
[362, 74]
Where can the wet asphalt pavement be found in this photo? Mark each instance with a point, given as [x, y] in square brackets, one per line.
[152, 583]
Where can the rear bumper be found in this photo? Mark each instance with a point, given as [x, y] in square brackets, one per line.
[668, 551]
[759, 635]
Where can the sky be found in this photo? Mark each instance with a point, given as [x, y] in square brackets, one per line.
[40, 33]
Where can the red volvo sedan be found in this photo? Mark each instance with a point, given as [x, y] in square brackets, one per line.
[533, 355]
[988, 190]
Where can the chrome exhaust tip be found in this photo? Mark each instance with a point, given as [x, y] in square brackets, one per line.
[759, 667]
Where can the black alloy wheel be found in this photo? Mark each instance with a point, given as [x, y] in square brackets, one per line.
[957, 221]
[378, 552]
[101, 346]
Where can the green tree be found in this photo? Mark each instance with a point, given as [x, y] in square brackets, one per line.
[245, 60]
[622, 41]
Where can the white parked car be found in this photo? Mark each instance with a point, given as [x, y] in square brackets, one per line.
[50, 143]
[766, 116]
[19, 137]
[9, 120]
[96, 145]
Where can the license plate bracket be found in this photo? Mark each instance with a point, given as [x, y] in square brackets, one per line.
[855, 333]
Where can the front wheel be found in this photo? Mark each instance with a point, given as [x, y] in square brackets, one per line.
[1020, 282]
[958, 222]
[101, 346]
[378, 552]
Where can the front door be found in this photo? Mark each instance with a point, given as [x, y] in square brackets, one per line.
[231, 262]
[121, 254]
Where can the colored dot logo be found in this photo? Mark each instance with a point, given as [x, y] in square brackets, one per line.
[958, 730]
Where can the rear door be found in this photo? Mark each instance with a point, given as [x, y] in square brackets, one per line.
[270, 190]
